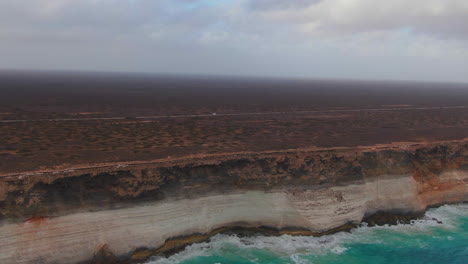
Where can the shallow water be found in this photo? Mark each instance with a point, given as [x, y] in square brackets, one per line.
[423, 241]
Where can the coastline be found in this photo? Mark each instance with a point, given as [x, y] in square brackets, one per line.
[178, 244]
[135, 212]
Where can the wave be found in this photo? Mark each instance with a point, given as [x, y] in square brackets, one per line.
[296, 249]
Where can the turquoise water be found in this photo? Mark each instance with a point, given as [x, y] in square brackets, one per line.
[423, 241]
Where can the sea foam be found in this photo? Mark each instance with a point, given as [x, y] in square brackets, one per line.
[298, 249]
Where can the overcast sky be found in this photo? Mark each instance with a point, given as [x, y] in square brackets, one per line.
[359, 39]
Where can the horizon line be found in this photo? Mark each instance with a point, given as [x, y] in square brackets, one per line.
[215, 76]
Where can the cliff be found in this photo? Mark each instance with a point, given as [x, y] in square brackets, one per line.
[129, 211]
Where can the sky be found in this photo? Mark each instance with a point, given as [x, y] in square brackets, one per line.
[340, 39]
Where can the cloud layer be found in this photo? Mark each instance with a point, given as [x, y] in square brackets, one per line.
[371, 39]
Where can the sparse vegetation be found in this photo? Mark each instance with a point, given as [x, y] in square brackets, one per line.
[29, 145]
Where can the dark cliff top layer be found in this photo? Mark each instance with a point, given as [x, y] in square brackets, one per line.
[251, 115]
[113, 185]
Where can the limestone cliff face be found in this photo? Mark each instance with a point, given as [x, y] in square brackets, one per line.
[125, 208]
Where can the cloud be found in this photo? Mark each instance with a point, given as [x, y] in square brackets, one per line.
[306, 38]
[438, 17]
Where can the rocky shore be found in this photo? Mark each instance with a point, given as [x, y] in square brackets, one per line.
[128, 212]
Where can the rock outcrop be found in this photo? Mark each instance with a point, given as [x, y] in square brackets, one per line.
[126, 212]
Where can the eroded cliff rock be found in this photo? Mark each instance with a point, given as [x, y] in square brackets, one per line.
[134, 210]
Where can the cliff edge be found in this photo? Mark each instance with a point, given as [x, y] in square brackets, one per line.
[127, 212]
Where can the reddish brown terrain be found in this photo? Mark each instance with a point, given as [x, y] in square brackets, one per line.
[114, 168]
[47, 120]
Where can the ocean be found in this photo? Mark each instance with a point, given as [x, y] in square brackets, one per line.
[440, 237]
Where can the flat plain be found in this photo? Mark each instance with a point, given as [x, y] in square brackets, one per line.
[67, 119]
